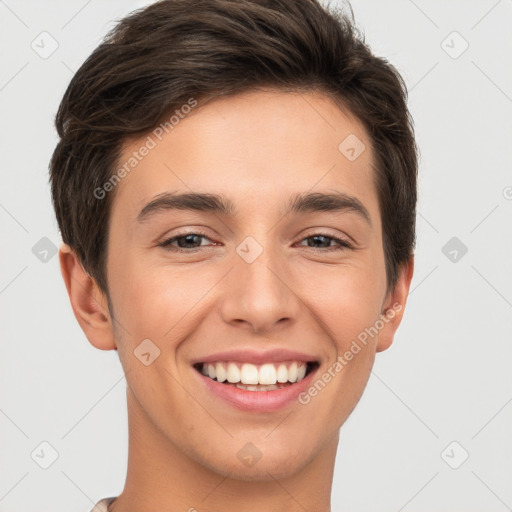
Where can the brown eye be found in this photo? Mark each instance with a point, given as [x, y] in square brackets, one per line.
[325, 242]
[185, 241]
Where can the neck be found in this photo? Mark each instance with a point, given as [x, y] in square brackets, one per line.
[161, 477]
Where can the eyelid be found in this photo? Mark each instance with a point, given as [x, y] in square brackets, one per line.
[325, 232]
[343, 242]
[169, 239]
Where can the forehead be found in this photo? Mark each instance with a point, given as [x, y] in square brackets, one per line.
[257, 146]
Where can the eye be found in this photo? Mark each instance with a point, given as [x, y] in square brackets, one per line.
[325, 239]
[185, 240]
[189, 242]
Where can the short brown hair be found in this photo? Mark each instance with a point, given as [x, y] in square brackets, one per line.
[158, 57]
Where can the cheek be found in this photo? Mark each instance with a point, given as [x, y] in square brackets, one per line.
[347, 308]
[347, 303]
[348, 298]
[158, 302]
[153, 299]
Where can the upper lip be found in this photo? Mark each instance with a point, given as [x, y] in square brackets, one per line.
[257, 357]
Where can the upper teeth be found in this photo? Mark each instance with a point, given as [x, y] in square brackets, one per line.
[247, 373]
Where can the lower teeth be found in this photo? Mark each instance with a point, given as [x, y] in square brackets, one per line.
[250, 387]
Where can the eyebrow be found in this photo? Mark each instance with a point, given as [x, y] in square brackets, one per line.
[215, 203]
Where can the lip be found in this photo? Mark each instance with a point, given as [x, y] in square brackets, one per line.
[250, 356]
[256, 401]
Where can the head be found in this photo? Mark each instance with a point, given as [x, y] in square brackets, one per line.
[275, 125]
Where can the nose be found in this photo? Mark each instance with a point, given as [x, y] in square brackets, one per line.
[259, 295]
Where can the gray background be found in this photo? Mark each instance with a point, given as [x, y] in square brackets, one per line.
[446, 379]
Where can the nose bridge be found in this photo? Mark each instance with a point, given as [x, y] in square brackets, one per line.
[258, 293]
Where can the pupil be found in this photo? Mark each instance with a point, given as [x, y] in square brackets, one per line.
[187, 237]
[321, 237]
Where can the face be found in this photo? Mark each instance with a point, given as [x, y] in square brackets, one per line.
[247, 283]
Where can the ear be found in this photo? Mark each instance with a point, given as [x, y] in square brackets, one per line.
[89, 304]
[394, 305]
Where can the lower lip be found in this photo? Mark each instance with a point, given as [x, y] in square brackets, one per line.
[257, 401]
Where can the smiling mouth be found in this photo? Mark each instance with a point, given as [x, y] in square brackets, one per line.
[251, 377]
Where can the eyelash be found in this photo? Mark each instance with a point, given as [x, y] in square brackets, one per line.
[343, 244]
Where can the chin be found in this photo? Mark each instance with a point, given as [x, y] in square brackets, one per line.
[272, 464]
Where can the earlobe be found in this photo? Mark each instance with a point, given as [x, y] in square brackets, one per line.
[88, 302]
[395, 305]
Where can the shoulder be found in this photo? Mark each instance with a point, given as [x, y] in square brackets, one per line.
[102, 505]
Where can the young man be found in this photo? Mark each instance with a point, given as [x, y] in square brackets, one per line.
[235, 186]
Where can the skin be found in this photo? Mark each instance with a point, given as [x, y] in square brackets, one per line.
[257, 148]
